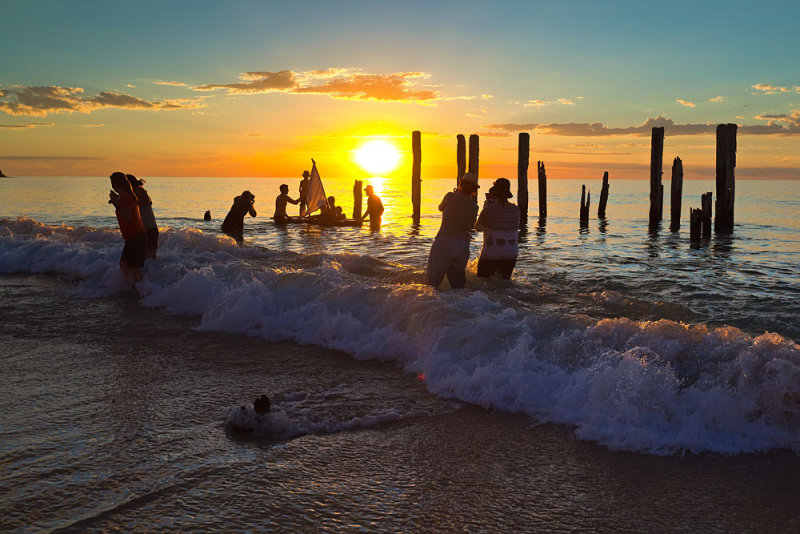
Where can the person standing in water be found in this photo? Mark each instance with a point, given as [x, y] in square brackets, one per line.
[280, 216]
[499, 222]
[148, 218]
[374, 209]
[233, 225]
[450, 250]
[130, 225]
[303, 190]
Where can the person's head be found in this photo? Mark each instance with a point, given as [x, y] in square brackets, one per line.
[331, 201]
[248, 196]
[469, 183]
[369, 190]
[135, 182]
[120, 183]
[284, 189]
[305, 174]
[339, 210]
[501, 189]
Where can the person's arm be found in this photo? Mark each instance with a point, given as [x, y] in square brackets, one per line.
[295, 202]
[480, 224]
[252, 211]
[368, 212]
[444, 201]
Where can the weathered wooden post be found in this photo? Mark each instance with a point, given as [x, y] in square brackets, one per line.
[601, 207]
[676, 192]
[542, 179]
[584, 213]
[695, 223]
[416, 174]
[461, 157]
[726, 186]
[705, 203]
[357, 199]
[523, 159]
[473, 153]
[656, 187]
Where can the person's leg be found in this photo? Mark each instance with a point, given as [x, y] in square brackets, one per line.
[437, 263]
[457, 268]
[486, 268]
[152, 243]
[505, 268]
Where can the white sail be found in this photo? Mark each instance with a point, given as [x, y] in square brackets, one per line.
[315, 193]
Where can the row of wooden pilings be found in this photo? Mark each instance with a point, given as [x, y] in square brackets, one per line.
[700, 219]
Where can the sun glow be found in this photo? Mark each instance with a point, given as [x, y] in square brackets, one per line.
[378, 157]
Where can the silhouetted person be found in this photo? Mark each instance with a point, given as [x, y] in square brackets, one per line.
[207, 216]
[328, 211]
[303, 190]
[280, 216]
[340, 216]
[130, 224]
[148, 218]
[499, 222]
[233, 224]
[374, 209]
[450, 250]
[261, 404]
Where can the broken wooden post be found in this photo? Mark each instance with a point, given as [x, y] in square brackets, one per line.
[584, 213]
[726, 162]
[523, 159]
[473, 153]
[542, 178]
[705, 203]
[357, 199]
[656, 187]
[695, 223]
[461, 157]
[601, 207]
[416, 175]
[676, 192]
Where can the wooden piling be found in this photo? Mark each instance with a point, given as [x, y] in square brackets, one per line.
[357, 199]
[542, 179]
[705, 202]
[461, 157]
[695, 223]
[523, 160]
[416, 175]
[601, 207]
[585, 201]
[676, 192]
[726, 186]
[473, 153]
[656, 187]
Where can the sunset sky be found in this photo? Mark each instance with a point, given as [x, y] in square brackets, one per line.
[202, 88]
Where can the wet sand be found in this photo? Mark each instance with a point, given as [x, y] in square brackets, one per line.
[113, 418]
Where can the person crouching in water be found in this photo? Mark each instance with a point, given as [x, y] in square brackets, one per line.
[148, 218]
[499, 222]
[130, 224]
[280, 216]
[450, 250]
[233, 225]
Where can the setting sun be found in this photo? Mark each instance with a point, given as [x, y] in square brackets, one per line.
[377, 157]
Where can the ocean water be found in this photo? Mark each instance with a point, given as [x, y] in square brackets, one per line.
[619, 365]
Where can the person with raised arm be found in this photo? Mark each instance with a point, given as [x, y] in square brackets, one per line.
[233, 225]
[499, 222]
[131, 226]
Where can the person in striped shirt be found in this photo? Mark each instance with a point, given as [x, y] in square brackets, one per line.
[499, 222]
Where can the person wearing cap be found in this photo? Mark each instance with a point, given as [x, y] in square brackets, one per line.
[303, 189]
[233, 225]
[499, 222]
[374, 209]
[450, 250]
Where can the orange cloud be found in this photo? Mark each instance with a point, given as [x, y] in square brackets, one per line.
[174, 84]
[778, 125]
[43, 100]
[686, 103]
[350, 84]
[26, 126]
[771, 89]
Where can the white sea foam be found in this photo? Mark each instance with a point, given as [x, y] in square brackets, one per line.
[659, 387]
